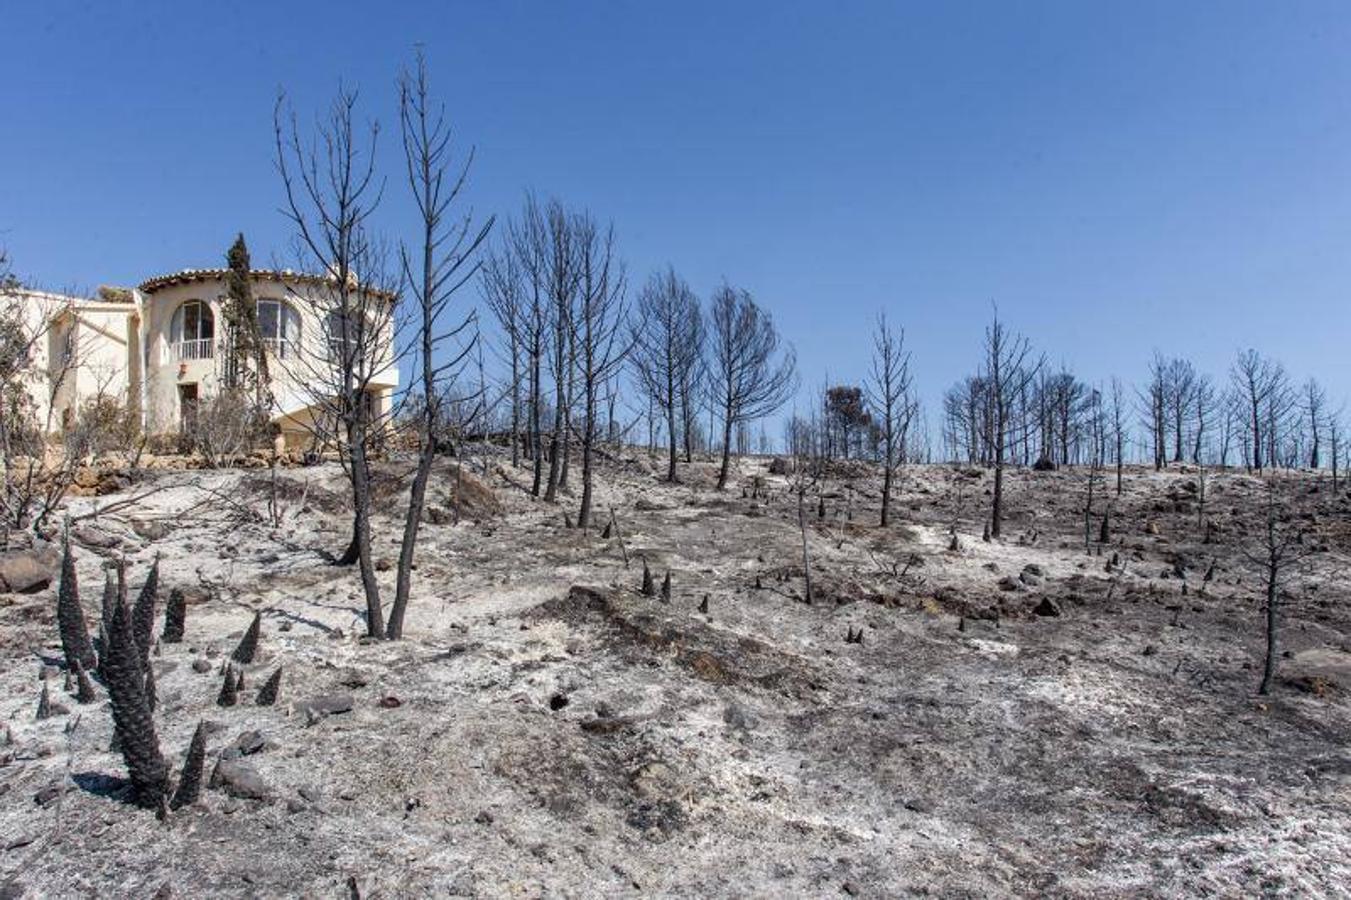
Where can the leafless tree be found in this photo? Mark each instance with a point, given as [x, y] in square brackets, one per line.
[1008, 368]
[889, 393]
[1154, 402]
[1260, 383]
[529, 238]
[434, 272]
[1282, 550]
[561, 282]
[750, 375]
[502, 290]
[1203, 404]
[1313, 405]
[1118, 432]
[332, 191]
[666, 331]
[1179, 390]
[598, 333]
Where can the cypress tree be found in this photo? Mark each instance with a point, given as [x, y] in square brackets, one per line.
[241, 316]
[268, 695]
[649, 589]
[44, 704]
[70, 615]
[190, 779]
[133, 725]
[248, 645]
[174, 615]
[666, 587]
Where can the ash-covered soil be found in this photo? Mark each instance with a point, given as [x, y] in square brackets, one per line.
[1019, 718]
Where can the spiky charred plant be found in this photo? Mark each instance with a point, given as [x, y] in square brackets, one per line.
[174, 615]
[132, 720]
[190, 779]
[143, 615]
[70, 616]
[267, 696]
[248, 645]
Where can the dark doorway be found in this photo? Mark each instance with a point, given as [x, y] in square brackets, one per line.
[187, 408]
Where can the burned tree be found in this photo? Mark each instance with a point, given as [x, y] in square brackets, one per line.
[331, 192]
[1008, 369]
[445, 260]
[1282, 547]
[889, 392]
[750, 375]
[598, 335]
[667, 333]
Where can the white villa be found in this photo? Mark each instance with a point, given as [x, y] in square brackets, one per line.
[156, 348]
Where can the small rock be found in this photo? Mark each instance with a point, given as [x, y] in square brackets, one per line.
[49, 793]
[327, 704]
[239, 780]
[201, 665]
[484, 818]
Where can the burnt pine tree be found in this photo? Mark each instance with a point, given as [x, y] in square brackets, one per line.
[444, 261]
[598, 336]
[1008, 370]
[750, 375]
[332, 190]
[666, 344]
[890, 396]
[75, 642]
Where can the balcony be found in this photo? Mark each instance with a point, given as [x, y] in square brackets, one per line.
[190, 350]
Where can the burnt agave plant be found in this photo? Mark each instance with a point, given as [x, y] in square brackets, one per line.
[143, 615]
[267, 695]
[248, 645]
[83, 686]
[70, 616]
[229, 689]
[190, 779]
[132, 721]
[174, 615]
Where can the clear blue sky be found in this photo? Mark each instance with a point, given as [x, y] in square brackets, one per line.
[1118, 177]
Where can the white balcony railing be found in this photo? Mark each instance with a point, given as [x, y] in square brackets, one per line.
[202, 349]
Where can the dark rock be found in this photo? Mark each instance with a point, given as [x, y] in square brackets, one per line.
[239, 780]
[1047, 607]
[201, 665]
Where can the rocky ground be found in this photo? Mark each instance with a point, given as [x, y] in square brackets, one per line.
[1018, 717]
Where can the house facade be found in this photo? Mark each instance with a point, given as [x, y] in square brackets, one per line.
[159, 349]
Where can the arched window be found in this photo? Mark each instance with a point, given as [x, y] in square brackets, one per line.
[192, 333]
[279, 325]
